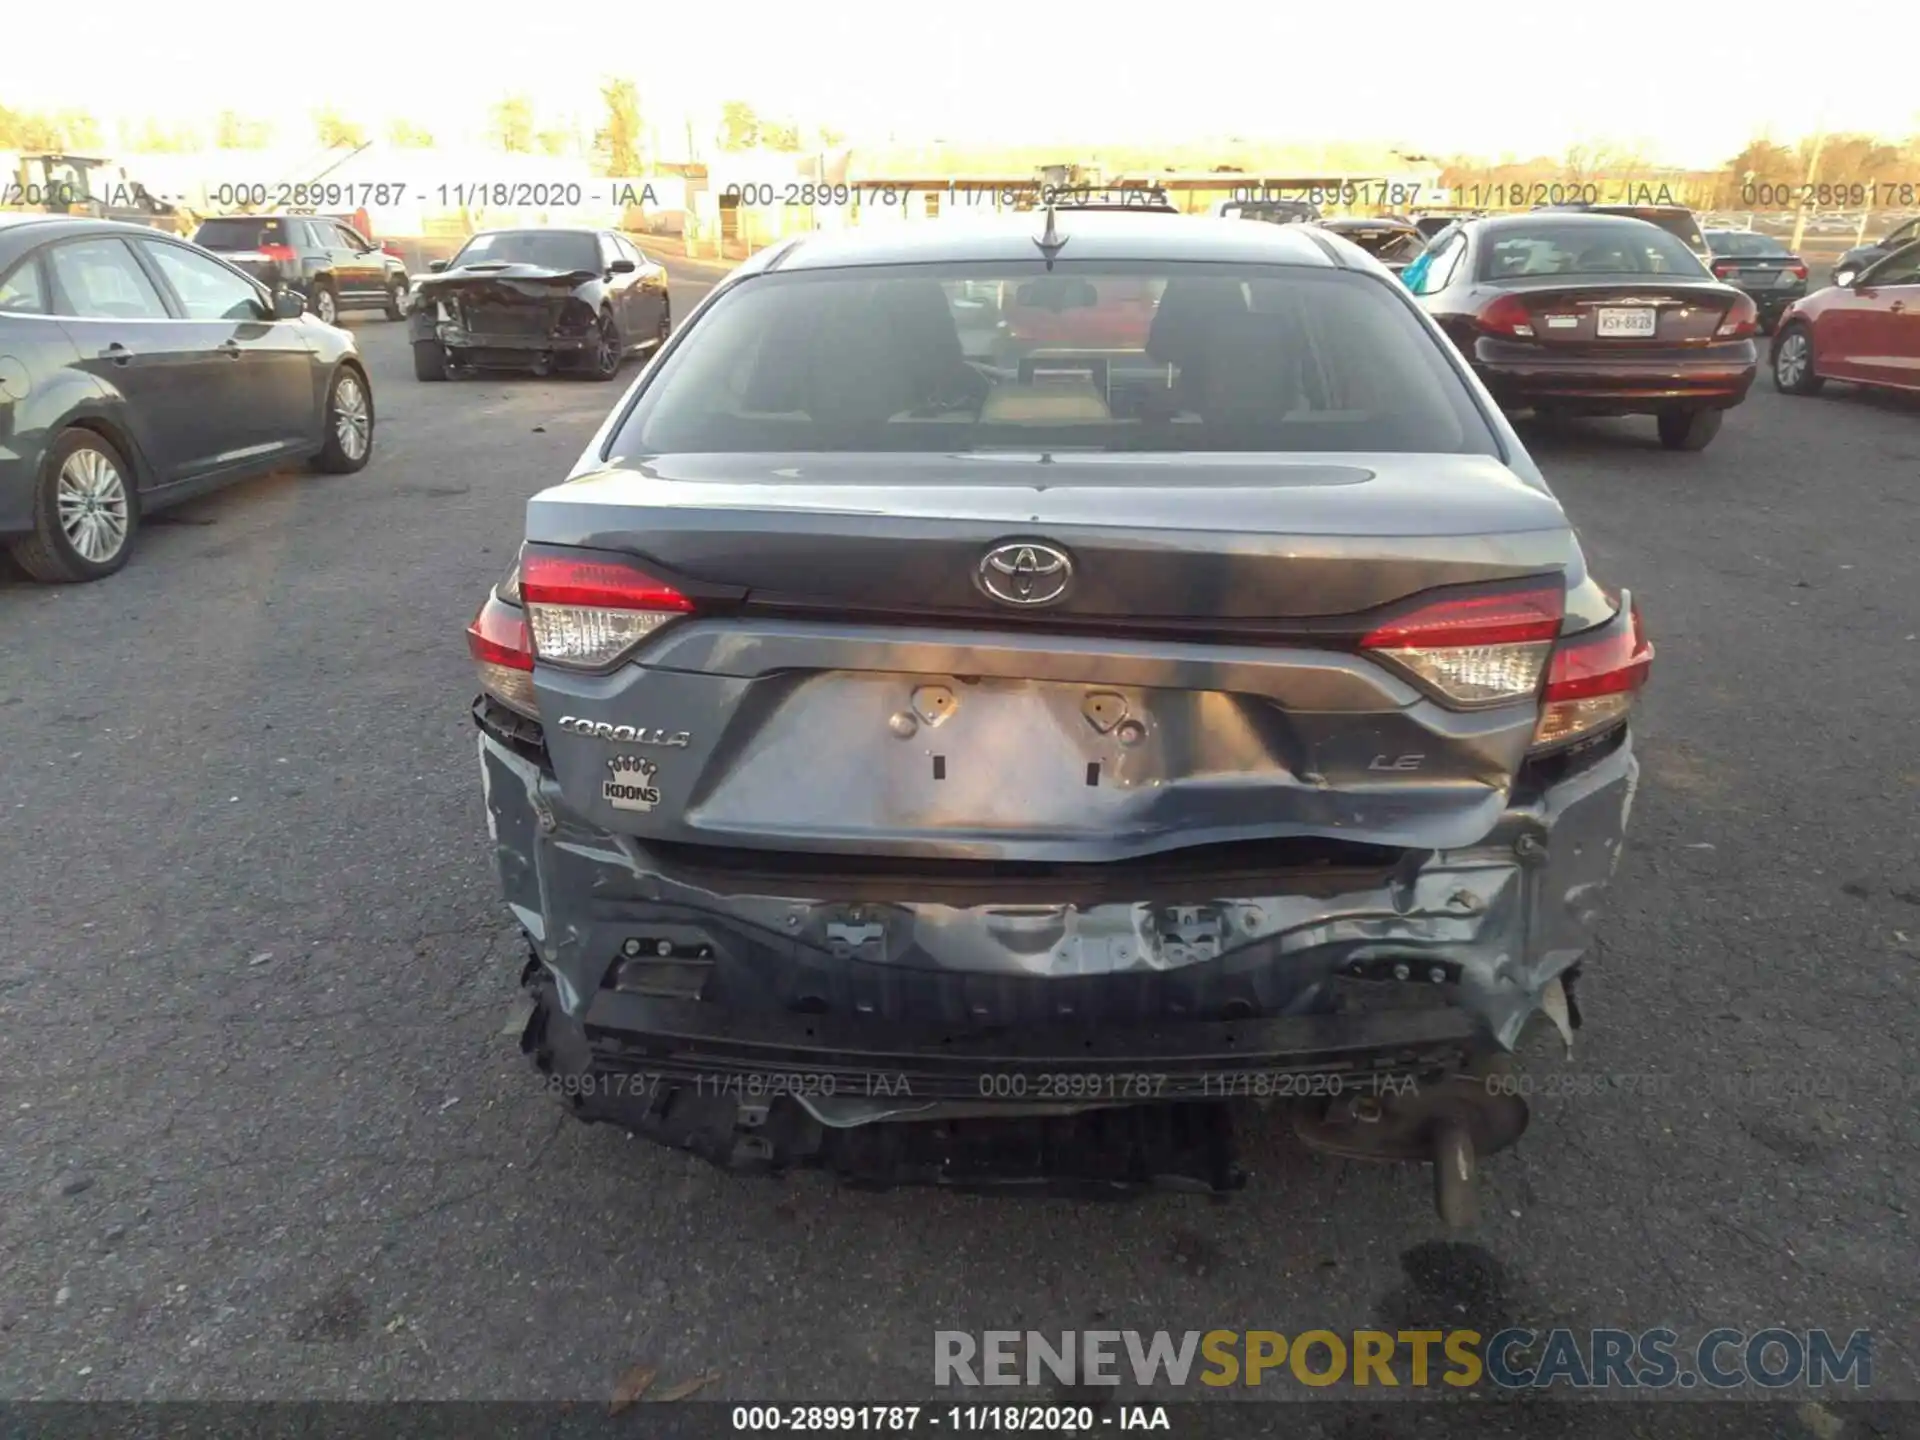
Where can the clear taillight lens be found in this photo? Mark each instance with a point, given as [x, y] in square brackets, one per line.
[1594, 679]
[1484, 649]
[586, 612]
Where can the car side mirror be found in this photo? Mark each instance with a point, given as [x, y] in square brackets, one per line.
[436, 265]
[622, 267]
[287, 305]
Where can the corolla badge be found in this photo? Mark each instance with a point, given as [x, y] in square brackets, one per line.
[1023, 572]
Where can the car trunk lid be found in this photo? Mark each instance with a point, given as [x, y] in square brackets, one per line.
[845, 682]
[1621, 314]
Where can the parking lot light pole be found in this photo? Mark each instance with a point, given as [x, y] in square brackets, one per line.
[1813, 168]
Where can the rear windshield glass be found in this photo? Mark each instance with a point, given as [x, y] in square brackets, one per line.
[1275, 212]
[1104, 357]
[241, 232]
[1388, 243]
[1628, 247]
[549, 249]
[1741, 242]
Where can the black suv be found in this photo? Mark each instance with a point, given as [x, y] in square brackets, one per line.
[328, 262]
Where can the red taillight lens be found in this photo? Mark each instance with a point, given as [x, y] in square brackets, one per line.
[1723, 268]
[498, 641]
[1507, 315]
[277, 252]
[1743, 318]
[588, 611]
[1798, 271]
[1483, 649]
[1594, 679]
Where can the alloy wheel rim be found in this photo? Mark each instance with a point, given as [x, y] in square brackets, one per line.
[93, 507]
[609, 345]
[323, 306]
[351, 422]
[1792, 363]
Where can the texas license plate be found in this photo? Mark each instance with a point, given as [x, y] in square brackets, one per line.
[1623, 322]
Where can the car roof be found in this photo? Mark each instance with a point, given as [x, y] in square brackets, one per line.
[1088, 235]
[21, 231]
[540, 230]
[1357, 222]
[1595, 219]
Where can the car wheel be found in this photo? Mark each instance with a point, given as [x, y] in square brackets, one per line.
[1793, 362]
[1689, 429]
[608, 350]
[429, 360]
[85, 512]
[325, 307]
[666, 327]
[397, 300]
[349, 424]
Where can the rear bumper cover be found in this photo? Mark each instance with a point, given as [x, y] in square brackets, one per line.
[664, 970]
[1714, 376]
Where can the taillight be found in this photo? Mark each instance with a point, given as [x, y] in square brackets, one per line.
[497, 640]
[1743, 318]
[1507, 315]
[1798, 270]
[1475, 649]
[1594, 679]
[277, 252]
[588, 611]
[1723, 268]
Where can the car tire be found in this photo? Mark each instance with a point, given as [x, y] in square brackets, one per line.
[1689, 429]
[666, 329]
[429, 360]
[609, 349]
[397, 300]
[324, 304]
[1792, 367]
[85, 475]
[349, 421]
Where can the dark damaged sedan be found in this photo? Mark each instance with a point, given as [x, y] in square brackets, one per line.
[538, 300]
[944, 765]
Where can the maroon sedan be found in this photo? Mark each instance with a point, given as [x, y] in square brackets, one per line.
[1577, 313]
[1867, 331]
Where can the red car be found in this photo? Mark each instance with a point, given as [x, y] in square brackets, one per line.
[1866, 332]
[1056, 313]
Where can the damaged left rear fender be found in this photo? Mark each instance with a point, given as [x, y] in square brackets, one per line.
[1486, 927]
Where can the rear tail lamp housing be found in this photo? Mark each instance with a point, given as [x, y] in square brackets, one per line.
[1507, 316]
[1475, 649]
[1742, 319]
[1593, 679]
[587, 609]
[503, 652]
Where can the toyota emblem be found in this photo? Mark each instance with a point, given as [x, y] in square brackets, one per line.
[1022, 572]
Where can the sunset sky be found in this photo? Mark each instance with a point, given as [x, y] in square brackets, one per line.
[1680, 83]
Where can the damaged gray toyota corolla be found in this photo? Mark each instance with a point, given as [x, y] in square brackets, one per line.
[982, 709]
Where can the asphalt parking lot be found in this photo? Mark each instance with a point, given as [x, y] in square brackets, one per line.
[267, 1132]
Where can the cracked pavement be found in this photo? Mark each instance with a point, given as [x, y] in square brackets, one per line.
[267, 1132]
